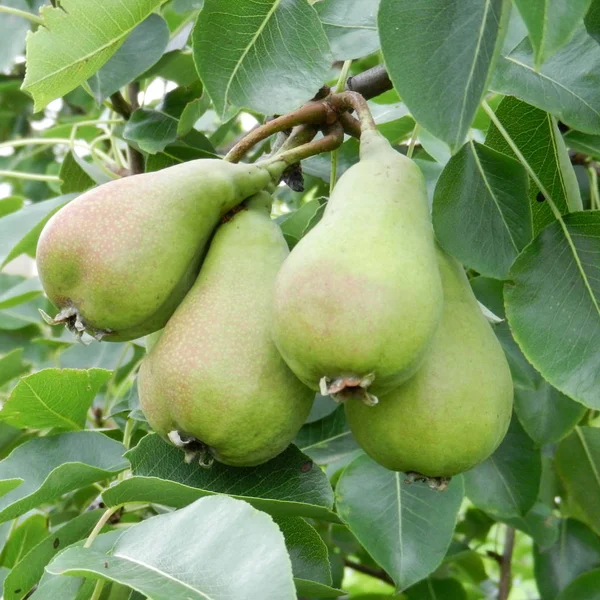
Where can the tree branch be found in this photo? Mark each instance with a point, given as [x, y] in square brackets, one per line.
[370, 83]
[377, 573]
[506, 565]
[136, 158]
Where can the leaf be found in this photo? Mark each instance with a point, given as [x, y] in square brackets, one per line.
[43, 469]
[12, 33]
[550, 24]
[507, 483]
[151, 130]
[328, 440]
[405, 528]
[546, 415]
[577, 550]
[23, 292]
[21, 229]
[308, 553]
[552, 305]
[270, 56]
[10, 204]
[539, 523]
[578, 464]
[288, 485]
[434, 589]
[538, 138]
[592, 20]
[30, 569]
[12, 365]
[56, 398]
[294, 224]
[177, 66]
[100, 356]
[74, 178]
[455, 43]
[23, 538]
[584, 587]
[351, 26]
[141, 50]
[584, 143]
[222, 536]
[56, 65]
[480, 210]
[566, 86]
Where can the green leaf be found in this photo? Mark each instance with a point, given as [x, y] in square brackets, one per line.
[10, 204]
[43, 469]
[151, 130]
[101, 356]
[553, 305]
[405, 528]
[507, 483]
[583, 142]
[328, 440]
[434, 589]
[307, 551]
[192, 147]
[12, 365]
[140, 51]
[57, 398]
[453, 42]
[351, 26]
[585, 587]
[23, 292]
[177, 66]
[56, 65]
[480, 210]
[578, 463]
[550, 25]
[592, 20]
[576, 551]
[221, 536]
[23, 538]
[566, 86]
[538, 138]
[288, 485]
[545, 413]
[30, 569]
[294, 224]
[22, 229]
[74, 178]
[270, 56]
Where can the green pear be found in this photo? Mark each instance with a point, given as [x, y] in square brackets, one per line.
[120, 258]
[359, 298]
[214, 380]
[454, 412]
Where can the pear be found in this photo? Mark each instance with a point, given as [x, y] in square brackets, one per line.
[359, 298]
[214, 381]
[120, 258]
[454, 412]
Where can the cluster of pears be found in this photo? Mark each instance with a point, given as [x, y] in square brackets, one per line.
[366, 308]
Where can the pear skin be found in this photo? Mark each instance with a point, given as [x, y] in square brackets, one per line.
[214, 376]
[454, 412]
[359, 298]
[120, 258]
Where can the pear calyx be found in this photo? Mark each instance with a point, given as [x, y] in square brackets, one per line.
[348, 386]
[193, 448]
[71, 318]
[438, 484]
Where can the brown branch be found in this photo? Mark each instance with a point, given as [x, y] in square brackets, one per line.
[370, 83]
[377, 573]
[120, 105]
[136, 158]
[506, 565]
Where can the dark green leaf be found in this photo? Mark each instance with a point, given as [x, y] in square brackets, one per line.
[405, 528]
[434, 589]
[592, 20]
[480, 210]
[151, 130]
[288, 485]
[578, 463]
[73, 177]
[12, 365]
[453, 42]
[585, 587]
[538, 138]
[585, 143]
[577, 550]
[270, 56]
[507, 483]
[23, 538]
[553, 305]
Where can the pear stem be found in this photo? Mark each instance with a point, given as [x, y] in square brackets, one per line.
[331, 141]
[22, 13]
[30, 176]
[354, 101]
[311, 113]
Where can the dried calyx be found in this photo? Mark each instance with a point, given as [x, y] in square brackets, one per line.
[439, 484]
[349, 386]
[70, 317]
[193, 448]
